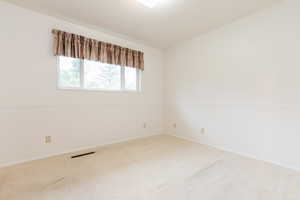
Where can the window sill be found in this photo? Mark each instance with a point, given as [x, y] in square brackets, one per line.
[98, 90]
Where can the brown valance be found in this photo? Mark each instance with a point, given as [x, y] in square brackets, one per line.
[77, 46]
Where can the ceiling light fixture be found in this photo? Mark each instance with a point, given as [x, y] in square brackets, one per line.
[149, 3]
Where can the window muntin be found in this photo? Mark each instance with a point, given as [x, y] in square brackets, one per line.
[94, 75]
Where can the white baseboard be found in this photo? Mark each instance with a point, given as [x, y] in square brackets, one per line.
[2, 165]
[238, 153]
[140, 137]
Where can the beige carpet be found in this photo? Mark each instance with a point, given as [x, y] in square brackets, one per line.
[154, 168]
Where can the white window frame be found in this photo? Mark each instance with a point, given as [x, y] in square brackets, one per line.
[122, 77]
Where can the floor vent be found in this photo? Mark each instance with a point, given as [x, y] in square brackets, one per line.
[81, 155]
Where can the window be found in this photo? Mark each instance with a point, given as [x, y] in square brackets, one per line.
[93, 75]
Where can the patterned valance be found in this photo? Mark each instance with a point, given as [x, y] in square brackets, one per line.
[77, 46]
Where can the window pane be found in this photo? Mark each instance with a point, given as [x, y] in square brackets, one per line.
[130, 78]
[69, 72]
[102, 76]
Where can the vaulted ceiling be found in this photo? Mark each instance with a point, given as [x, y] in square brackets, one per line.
[171, 21]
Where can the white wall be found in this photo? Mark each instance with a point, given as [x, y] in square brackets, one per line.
[241, 83]
[31, 107]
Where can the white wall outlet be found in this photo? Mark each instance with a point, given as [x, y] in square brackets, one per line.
[48, 139]
[202, 131]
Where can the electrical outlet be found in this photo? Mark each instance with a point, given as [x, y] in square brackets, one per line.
[202, 131]
[145, 125]
[48, 139]
[174, 125]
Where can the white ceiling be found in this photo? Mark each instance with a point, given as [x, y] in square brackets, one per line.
[170, 22]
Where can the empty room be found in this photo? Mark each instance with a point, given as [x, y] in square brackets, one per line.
[150, 100]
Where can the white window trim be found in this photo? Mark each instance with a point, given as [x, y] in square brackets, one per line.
[82, 88]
